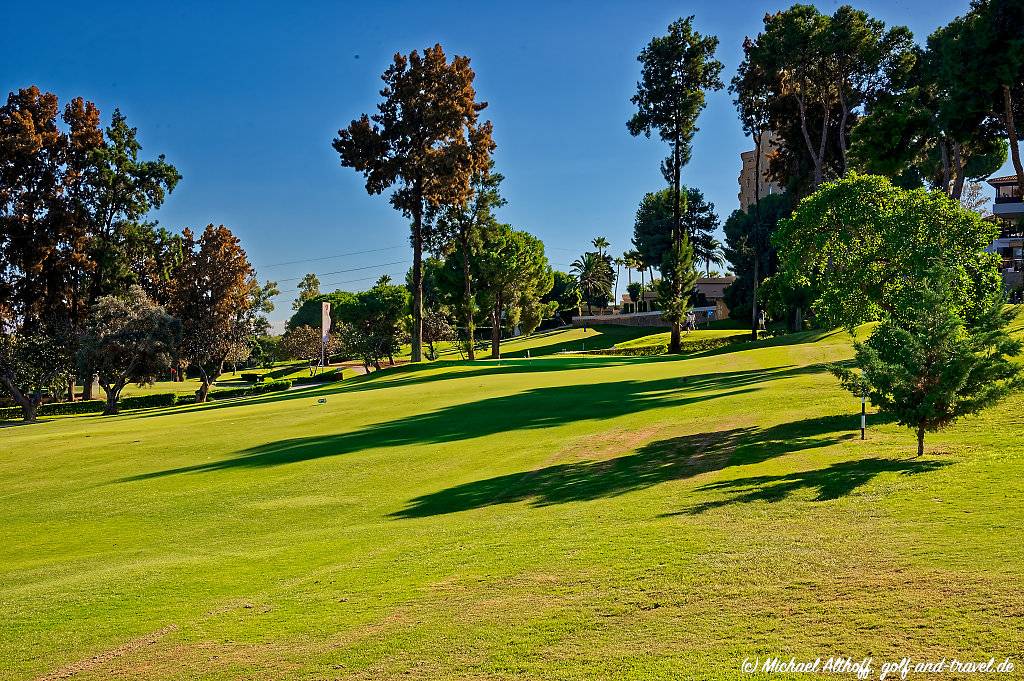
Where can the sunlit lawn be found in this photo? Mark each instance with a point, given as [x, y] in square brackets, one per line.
[552, 518]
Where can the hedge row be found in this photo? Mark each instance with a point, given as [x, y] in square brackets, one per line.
[632, 351]
[326, 377]
[142, 401]
[246, 391]
[685, 345]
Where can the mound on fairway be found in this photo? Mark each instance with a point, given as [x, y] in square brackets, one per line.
[583, 517]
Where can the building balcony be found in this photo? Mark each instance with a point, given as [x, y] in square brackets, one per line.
[1008, 207]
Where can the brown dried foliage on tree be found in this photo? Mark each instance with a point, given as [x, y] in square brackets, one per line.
[425, 140]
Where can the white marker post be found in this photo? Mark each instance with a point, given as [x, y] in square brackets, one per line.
[325, 331]
[863, 415]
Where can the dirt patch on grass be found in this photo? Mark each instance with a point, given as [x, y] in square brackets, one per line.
[109, 655]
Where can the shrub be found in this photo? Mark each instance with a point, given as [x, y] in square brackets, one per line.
[250, 377]
[155, 400]
[326, 377]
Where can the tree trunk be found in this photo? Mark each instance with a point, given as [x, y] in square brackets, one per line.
[815, 158]
[946, 172]
[641, 298]
[71, 386]
[204, 386]
[467, 278]
[1011, 132]
[89, 387]
[496, 333]
[112, 407]
[842, 127]
[677, 238]
[615, 295]
[753, 307]
[958, 172]
[29, 403]
[417, 278]
[920, 440]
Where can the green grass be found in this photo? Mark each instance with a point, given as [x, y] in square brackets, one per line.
[553, 518]
[596, 337]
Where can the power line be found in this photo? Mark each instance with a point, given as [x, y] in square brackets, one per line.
[330, 257]
[337, 283]
[353, 269]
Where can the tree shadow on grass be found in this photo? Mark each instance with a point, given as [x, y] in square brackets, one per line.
[662, 461]
[832, 482]
[537, 408]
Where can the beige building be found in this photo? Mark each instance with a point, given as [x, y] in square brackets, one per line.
[748, 170]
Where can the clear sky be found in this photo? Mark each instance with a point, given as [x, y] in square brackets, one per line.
[244, 98]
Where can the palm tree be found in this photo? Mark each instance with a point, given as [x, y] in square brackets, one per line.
[637, 263]
[708, 249]
[594, 276]
[600, 243]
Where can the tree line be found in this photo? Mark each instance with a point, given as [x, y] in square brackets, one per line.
[877, 141]
[842, 93]
[90, 289]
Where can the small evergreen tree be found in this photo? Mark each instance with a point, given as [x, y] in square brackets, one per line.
[678, 279]
[928, 368]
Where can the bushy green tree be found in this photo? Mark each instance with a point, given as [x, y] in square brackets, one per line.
[373, 323]
[128, 339]
[309, 288]
[678, 274]
[927, 367]
[460, 227]
[652, 229]
[31, 365]
[749, 250]
[565, 294]
[859, 242]
[513, 273]
[309, 313]
[916, 134]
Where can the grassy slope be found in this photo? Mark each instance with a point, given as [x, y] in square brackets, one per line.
[551, 342]
[552, 518]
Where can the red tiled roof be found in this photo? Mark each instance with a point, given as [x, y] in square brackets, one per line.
[1005, 179]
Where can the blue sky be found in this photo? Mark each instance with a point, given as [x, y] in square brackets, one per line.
[244, 98]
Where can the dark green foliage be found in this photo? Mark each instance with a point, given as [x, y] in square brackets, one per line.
[746, 234]
[128, 339]
[916, 133]
[807, 76]
[31, 365]
[565, 293]
[372, 324]
[652, 229]
[678, 279]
